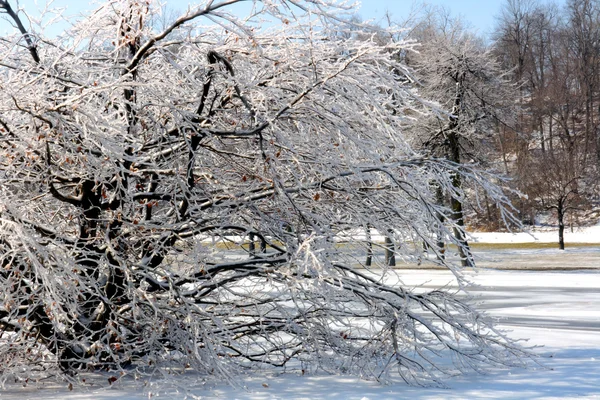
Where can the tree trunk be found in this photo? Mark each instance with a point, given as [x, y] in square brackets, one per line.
[561, 226]
[597, 132]
[251, 245]
[501, 136]
[369, 260]
[263, 245]
[550, 143]
[464, 251]
[542, 138]
[441, 245]
[390, 252]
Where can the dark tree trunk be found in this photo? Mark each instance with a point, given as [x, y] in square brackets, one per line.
[561, 226]
[390, 251]
[464, 251]
[369, 260]
[441, 245]
[251, 245]
[263, 245]
[542, 138]
[597, 129]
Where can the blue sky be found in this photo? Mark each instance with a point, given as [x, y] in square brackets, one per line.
[478, 14]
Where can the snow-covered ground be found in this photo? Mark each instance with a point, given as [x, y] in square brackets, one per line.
[557, 309]
[589, 234]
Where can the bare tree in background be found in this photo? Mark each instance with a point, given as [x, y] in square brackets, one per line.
[473, 93]
[558, 185]
[556, 59]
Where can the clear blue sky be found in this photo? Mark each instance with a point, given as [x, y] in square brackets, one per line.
[478, 14]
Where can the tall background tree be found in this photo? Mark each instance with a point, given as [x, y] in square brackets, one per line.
[473, 96]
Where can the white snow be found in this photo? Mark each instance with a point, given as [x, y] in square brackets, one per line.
[559, 310]
[589, 234]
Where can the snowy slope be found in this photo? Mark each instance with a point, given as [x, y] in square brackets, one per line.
[578, 235]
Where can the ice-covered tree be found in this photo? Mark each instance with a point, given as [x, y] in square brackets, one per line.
[458, 72]
[136, 165]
